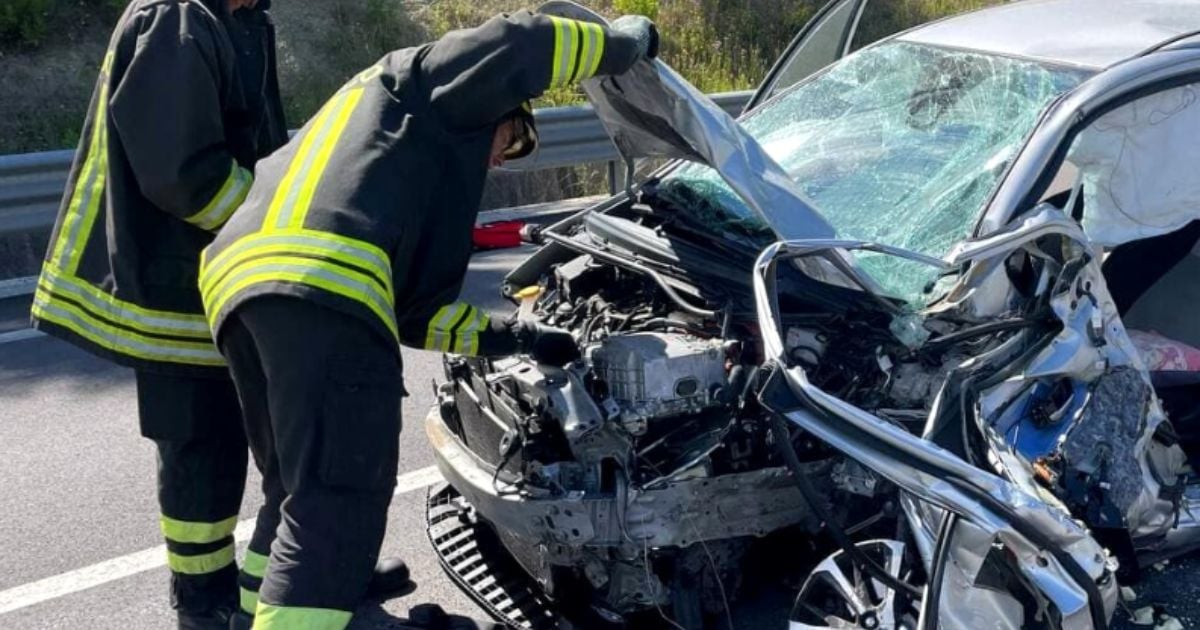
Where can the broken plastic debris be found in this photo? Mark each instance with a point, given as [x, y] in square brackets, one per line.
[1169, 623]
[1159, 566]
[1128, 594]
[1144, 616]
[909, 330]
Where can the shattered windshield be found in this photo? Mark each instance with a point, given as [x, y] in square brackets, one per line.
[900, 144]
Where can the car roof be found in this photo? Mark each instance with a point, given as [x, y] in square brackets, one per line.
[1089, 33]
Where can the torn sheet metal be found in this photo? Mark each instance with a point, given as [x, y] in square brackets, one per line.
[1138, 167]
[999, 508]
[651, 111]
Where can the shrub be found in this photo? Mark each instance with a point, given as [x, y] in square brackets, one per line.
[346, 37]
[648, 8]
[23, 22]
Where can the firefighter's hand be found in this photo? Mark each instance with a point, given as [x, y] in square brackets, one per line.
[547, 344]
[642, 30]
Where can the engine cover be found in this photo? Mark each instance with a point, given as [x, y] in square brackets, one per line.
[651, 375]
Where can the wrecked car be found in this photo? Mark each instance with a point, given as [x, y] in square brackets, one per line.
[879, 331]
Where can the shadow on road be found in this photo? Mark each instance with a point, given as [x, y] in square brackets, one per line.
[27, 365]
[420, 617]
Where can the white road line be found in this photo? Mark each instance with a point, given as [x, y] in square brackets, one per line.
[20, 335]
[125, 566]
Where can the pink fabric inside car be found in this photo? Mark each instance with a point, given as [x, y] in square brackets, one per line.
[1162, 354]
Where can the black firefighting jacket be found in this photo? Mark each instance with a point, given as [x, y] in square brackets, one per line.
[186, 102]
[369, 209]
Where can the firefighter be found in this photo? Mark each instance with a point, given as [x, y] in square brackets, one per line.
[355, 238]
[185, 103]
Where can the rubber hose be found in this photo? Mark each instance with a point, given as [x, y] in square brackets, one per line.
[783, 442]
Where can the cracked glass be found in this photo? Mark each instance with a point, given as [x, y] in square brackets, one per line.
[899, 144]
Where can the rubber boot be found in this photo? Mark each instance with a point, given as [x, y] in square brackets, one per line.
[217, 619]
[390, 578]
[241, 620]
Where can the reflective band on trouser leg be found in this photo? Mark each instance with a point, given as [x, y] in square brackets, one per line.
[254, 567]
[196, 532]
[231, 194]
[200, 563]
[269, 617]
[84, 206]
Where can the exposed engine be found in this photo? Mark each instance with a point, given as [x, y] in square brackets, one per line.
[650, 480]
[645, 470]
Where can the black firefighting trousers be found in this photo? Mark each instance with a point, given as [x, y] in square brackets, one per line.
[196, 424]
[321, 393]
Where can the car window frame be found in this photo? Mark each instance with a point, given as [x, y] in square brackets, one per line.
[769, 88]
[1080, 116]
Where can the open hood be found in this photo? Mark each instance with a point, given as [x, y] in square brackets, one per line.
[651, 111]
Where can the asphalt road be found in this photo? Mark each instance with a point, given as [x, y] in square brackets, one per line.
[79, 523]
[77, 487]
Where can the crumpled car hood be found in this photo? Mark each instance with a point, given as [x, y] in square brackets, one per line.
[651, 111]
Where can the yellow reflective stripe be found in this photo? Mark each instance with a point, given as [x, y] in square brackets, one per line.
[195, 531]
[309, 186]
[228, 198]
[84, 206]
[577, 45]
[442, 320]
[565, 42]
[255, 564]
[319, 274]
[268, 617]
[593, 53]
[247, 600]
[58, 311]
[299, 163]
[119, 311]
[201, 564]
[351, 251]
[295, 192]
[467, 335]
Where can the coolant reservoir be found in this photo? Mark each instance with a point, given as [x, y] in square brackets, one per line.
[527, 298]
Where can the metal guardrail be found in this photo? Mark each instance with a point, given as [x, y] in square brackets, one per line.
[31, 184]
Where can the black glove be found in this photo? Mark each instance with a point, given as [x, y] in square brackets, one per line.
[546, 344]
[642, 30]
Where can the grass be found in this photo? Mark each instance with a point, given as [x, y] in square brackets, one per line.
[719, 45]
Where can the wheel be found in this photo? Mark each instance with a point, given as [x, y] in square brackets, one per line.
[838, 594]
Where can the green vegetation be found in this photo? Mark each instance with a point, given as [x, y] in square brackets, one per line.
[52, 47]
[333, 43]
[24, 24]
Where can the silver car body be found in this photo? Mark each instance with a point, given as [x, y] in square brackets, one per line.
[1142, 53]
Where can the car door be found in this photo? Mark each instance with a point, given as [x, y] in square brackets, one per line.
[842, 27]
[827, 37]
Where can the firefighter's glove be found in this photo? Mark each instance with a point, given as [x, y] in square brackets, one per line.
[642, 30]
[546, 344]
